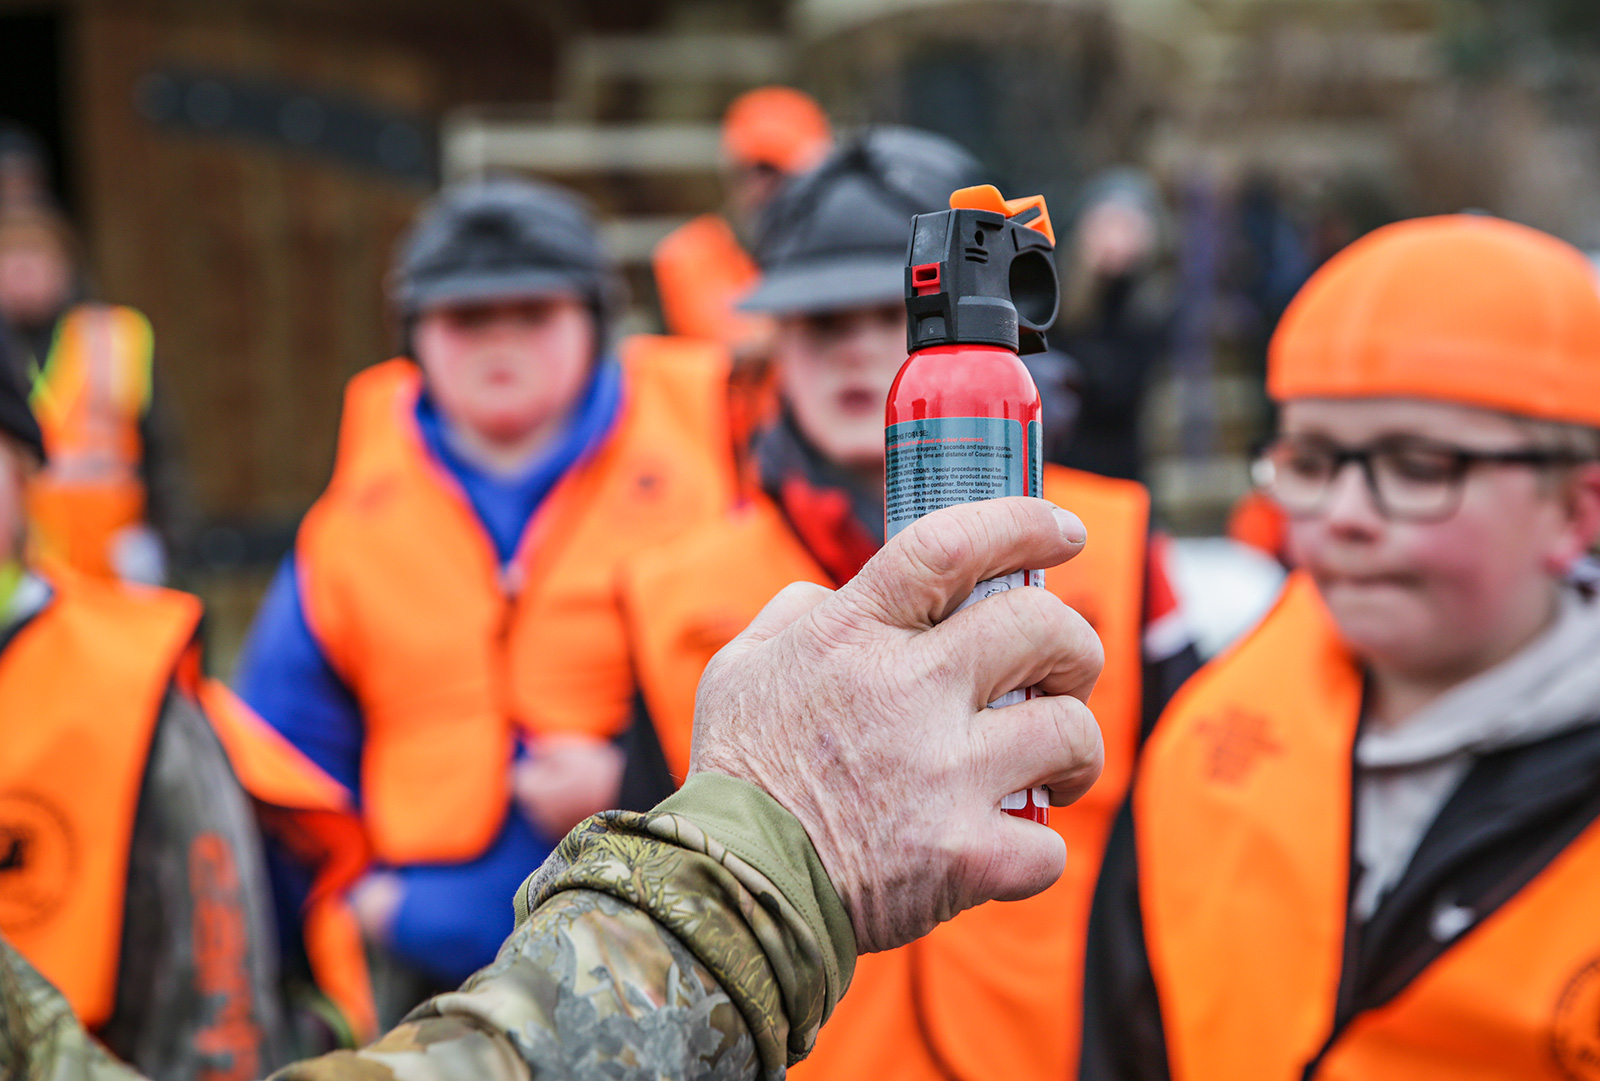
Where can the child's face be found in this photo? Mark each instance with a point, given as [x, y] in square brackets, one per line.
[1448, 598]
[835, 370]
[503, 369]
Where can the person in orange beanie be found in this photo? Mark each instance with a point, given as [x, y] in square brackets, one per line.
[703, 268]
[1365, 843]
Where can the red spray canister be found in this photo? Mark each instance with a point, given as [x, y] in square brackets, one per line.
[963, 415]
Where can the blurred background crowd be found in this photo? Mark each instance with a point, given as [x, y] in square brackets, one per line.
[240, 174]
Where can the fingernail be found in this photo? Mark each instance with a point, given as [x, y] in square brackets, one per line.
[1071, 526]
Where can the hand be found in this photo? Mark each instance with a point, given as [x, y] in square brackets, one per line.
[375, 900]
[863, 712]
[566, 779]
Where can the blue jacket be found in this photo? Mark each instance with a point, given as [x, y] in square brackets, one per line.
[453, 916]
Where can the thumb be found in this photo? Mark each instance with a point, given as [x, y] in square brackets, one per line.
[930, 567]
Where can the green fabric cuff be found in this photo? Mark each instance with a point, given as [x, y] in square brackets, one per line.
[761, 832]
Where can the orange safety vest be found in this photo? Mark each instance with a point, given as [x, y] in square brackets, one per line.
[1242, 813]
[1259, 522]
[81, 687]
[83, 682]
[89, 398]
[313, 816]
[702, 272]
[994, 992]
[448, 655]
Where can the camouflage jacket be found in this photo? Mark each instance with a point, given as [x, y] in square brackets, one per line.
[699, 940]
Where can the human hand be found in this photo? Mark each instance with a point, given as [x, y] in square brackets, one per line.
[566, 779]
[375, 899]
[1115, 237]
[864, 713]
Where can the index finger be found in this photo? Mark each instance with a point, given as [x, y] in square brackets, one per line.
[930, 567]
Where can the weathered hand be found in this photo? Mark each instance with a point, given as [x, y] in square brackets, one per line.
[864, 713]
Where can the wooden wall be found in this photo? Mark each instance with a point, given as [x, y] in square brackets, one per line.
[262, 268]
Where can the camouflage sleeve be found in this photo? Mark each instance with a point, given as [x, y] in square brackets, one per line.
[699, 940]
[40, 1039]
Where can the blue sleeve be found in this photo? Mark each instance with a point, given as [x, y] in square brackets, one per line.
[454, 917]
[284, 676]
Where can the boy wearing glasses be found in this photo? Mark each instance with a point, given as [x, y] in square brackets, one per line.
[1364, 843]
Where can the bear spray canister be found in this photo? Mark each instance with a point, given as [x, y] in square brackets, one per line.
[962, 422]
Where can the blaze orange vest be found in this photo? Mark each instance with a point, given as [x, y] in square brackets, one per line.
[448, 655]
[90, 397]
[702, 272]
[313, 816]
[1242, 814]
[1259, 522]
[81, 687]
[994, 992]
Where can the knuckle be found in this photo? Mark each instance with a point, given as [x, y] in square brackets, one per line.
[802, 592]
[939, 544]
[1079, 641]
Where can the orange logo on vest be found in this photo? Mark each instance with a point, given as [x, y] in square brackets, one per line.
[1239, 741]
[1575, 1030]
[37, 860]
[231, 1040]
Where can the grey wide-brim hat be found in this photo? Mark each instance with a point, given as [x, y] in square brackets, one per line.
[503, 239]
[850, 281]
[835, 238]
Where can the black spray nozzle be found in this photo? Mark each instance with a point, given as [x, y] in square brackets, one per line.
[981, 273]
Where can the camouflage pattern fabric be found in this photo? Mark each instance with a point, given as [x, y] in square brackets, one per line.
[644, 949]
[40, 1039]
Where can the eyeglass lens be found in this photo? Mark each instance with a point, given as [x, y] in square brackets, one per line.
[1405, 480]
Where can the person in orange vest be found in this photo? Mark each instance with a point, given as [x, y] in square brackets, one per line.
[131, 870]
[443, 640]
[1364, 842]
[112, 497]
[703, 268]
[993, 994]
[1257, 521]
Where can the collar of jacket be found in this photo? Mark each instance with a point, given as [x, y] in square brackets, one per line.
[836, 517]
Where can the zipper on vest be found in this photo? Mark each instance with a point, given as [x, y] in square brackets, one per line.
[1343, 1001]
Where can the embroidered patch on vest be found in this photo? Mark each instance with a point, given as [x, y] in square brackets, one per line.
[37, 860]
[1575, 1028]
[1238, 743]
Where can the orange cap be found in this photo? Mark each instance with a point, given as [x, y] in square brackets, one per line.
[777, 126]
[1462, 308]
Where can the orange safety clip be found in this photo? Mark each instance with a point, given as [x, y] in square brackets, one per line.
[1029, 210]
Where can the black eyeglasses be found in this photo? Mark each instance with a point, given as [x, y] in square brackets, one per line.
[1410, 479]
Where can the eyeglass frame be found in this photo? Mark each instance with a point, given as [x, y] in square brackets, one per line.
[1464, 460]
